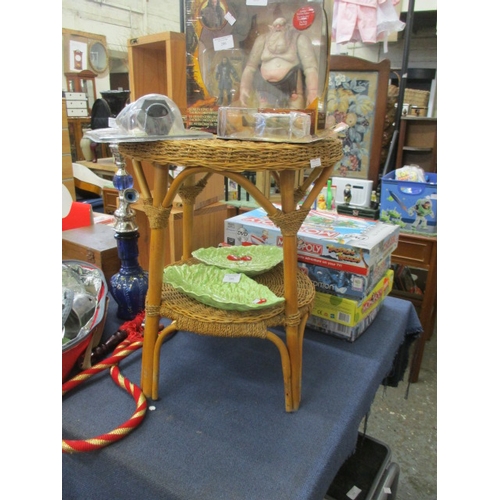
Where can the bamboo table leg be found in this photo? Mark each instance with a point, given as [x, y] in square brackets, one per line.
[287, 180]
[153, 298]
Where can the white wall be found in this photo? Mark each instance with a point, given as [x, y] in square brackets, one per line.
[118, 21]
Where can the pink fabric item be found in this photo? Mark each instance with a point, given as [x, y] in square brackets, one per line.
[355, 22]
[367, 21]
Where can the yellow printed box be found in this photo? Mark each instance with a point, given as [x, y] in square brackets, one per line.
[351, 312]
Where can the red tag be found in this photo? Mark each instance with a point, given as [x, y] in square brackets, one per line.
[303, 18]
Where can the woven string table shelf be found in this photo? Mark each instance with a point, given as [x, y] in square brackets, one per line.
[232, 159]
[194, 316]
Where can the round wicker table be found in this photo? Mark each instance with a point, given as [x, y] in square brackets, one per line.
[230, 159]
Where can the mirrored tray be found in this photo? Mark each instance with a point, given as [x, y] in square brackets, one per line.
[214, 287]
[250, 260]
[112, 135]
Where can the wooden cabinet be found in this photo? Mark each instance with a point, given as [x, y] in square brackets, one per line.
[209, 218]
[67, 163]
[417, 143]
[157, 64]
[77, 127]
[419, 252]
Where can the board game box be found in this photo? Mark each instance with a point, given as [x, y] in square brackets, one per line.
[350, 333]
[325, 239]
[350, 312]
[345, 284]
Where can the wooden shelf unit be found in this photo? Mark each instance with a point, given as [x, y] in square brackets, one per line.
[157, 65]
[418, 143]
[67, 163]
[419, 252]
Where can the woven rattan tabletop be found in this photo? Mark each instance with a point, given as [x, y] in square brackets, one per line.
[236, 156]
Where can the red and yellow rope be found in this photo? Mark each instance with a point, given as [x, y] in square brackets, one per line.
[129, 345]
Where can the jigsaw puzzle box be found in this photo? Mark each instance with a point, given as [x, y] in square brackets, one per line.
[325, 239]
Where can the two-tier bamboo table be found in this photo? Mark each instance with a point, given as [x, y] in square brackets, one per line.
[230, 158]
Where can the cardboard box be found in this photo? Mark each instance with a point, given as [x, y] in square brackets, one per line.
[344, 284]
[325, 239]
[208, 231]
[412, 206]
[350, 333]
[212, 193]
[350, 312]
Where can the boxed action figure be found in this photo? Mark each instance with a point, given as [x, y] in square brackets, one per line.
[254, 55]
[350, 312]
[325, 239]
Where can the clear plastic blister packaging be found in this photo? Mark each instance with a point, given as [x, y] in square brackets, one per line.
[254, 55]
[153, 117]
[264, 125]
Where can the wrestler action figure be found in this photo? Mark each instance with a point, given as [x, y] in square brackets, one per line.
[285, 68]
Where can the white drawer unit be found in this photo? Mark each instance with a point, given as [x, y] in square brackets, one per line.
[72, 96]
[76, 104]
[77, 111]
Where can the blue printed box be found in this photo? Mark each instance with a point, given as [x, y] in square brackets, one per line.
[343, 283]
[410, 205]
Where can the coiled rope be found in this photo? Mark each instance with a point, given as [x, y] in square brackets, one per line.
[133, 342]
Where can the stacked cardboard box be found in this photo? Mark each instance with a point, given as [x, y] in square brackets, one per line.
[347, 258]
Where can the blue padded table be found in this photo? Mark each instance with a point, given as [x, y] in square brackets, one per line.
[219, 430]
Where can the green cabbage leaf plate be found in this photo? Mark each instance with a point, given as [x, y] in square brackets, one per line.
[207, 285]
[250, 260]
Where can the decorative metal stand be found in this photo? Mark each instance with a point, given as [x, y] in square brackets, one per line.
[130, 284]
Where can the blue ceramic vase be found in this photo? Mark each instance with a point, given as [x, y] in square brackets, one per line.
[130, 284]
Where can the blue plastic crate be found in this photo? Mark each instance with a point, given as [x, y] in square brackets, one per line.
[410, 205]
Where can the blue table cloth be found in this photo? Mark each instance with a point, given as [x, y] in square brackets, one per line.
[219, 430]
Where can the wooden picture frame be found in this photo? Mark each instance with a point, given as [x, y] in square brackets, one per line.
[357, 95]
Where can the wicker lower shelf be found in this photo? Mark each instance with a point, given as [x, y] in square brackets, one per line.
[193, 316]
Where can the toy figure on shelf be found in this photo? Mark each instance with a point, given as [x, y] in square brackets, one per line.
[212, 16]
[347, 194]
[224, 74]
[422, 208]
[283, 69]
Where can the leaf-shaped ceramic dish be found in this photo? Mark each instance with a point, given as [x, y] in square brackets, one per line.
[250, 260]
[213, 287]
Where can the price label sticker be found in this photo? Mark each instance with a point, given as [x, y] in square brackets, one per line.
[224, 43]
[231, 278]
[230, 18]
[315, 163]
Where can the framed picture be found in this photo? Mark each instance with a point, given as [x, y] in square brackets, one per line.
[357, 96]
